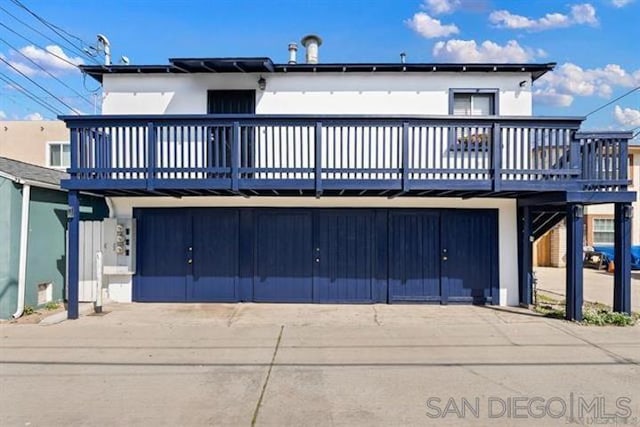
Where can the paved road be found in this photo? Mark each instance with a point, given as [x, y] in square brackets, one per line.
[279, 365]
[598, 285]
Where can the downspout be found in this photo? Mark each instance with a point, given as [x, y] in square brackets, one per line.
[112, 212]
[24, 238]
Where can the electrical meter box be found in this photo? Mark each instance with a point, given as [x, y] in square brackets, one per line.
[118, 245]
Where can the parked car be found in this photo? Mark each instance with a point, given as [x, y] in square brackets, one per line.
[607, 253]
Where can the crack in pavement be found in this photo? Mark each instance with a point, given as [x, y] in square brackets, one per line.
[266, 380]
[375, 316]
[234, 314]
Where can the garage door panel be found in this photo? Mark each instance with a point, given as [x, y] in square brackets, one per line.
[162, 255]
[283, 256]
[469, 237]
[344, 256]
[414, 263]
[215, 256]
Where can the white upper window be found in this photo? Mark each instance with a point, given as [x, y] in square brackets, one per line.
[59, 155]
[473, 104]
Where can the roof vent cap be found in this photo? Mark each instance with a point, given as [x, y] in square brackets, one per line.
[311, 42]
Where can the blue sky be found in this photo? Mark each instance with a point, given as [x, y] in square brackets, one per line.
[595, 43]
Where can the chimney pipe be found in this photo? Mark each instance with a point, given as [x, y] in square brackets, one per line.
[311, 42]
[293, 50]
[403, 57]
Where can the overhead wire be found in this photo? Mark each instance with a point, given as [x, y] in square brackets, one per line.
[28, 94]
[61, 33]
[612, 101]
[46, 71]
[37, 84]
[38, 46]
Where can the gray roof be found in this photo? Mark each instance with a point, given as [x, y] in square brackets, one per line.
[29, 172]
[266, 65]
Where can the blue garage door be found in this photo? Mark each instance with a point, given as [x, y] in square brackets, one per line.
[443, 256]
[469, 242]
[324, 256]
[215, 255]
[161, 255]
[344, 256]
[283, 256]
[186, 255]
[414, 253]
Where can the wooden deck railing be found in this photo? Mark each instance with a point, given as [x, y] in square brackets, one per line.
[266, 152]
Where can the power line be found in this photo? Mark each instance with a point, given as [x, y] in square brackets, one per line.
[612, 101]
[37, 84]
[55, 29]
[38, 46]
[46, 71]
[28, 94]
[29, 26]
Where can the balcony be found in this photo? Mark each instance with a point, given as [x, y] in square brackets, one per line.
[342, 155]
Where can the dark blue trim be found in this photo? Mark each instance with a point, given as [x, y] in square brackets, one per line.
[73, 256]
[585, 165]
[497, 158]
[266, 65]
[575, 240]
[381, 247]
[623, 213]
[318, 159]
[525, 258]
[151, 156]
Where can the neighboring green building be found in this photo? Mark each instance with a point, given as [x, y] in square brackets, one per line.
[45, 241]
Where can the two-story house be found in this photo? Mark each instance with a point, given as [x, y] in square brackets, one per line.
[241, 179]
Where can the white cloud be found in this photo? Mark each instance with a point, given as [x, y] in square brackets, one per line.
[551, 97]
[430, 27]
[488, 51]
[621, 3]
[584, 14]
[46, 59]
[439, 7]
[33, 116]
[627, 116]
[3, 115]
[579, 14]
[570, 80]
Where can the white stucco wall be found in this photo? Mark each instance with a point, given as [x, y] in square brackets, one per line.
[323, 93]
[313, 93]
[120, 287]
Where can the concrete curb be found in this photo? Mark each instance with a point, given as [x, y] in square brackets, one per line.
[84, 309]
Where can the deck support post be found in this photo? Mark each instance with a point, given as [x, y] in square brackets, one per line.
[525, 259]
[622, 258]
[73, 252]
[574, 280]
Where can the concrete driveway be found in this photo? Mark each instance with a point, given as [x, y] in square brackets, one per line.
[597, 287]
[279, 365]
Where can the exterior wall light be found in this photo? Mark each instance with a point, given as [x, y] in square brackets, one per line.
[578, 211]
[262, 83]
[628, 211]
